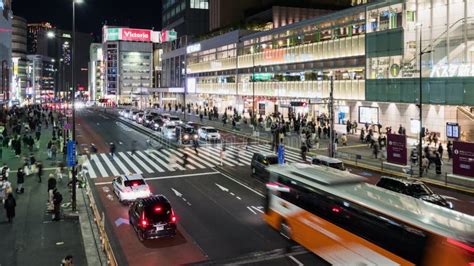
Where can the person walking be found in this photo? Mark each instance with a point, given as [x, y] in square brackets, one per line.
[67, 261]
[112, 149]
[57, 200]
[424, 165]
[196, 146]
[449, 147]
[9, 205]
[304, 150]
[440, 151]
[5, 171]
[375, 150]
[414, 156]
[20, 179]
[438, 163]
[39, 169]
[54, 151]
[133, 147]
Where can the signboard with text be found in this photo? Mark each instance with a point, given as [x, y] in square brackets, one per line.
[452, 130]
[397, 149]
[463, 158]
[137, 35]
[71, 154]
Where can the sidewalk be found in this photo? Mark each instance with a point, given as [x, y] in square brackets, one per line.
[33, 238]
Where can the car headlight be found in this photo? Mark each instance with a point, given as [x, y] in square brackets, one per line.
[196, 136]
[186, 137]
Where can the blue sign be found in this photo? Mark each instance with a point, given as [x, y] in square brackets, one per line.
[281, 154]
[71, 153]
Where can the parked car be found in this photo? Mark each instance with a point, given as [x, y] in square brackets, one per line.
[152, 217]
[139, 117]
[260, 162]
[133, 115]
[176, 120]
[328, 161]
[209, 134]
[148, 120]
[130, 187]
[414, 188]
[169, 131]
[188, 133]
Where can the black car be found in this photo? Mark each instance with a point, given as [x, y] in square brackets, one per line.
[414, 188]
[152, 218]
[188, 134]
[148, 121]
[260, 162]
[157, 123]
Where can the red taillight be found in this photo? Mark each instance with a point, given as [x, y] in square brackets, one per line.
[157, 209]
[143, 221]
[336, 209]
[173, 217]
[461, 245]
[135, 184]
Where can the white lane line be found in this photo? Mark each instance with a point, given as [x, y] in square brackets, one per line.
[257, 209]
[101, 168]
[299, 263]
[166, 177]
[121, 165]
[142, 164]
[130, 162]
[250, 209]
[110, 165]
[240, 183]
[144, 156]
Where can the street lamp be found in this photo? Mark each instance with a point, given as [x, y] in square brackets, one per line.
[420, 105]
[74, 167]
[50, 34]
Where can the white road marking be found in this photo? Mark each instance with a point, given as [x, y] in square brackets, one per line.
[222, 188]
[240, 183]
[299, 263]
[142, 164]
[257, 209]
[144, 156]
[250, 209]
[127, 160]
[110, 165]
[177, 193]
[161, 162]
[99, 165]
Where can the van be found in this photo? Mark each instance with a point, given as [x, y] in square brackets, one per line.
[260, 162]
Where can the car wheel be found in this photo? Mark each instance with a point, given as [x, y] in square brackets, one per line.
[141, 235]
[285, 230]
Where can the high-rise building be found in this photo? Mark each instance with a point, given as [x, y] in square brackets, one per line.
[37, 41]
[186, 17]
[6, 17]
[96, 72]
[41, 78]
[19, 52]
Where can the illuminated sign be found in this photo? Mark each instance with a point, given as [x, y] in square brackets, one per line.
[136, 35]
[66, 35]
[452, 70]
[193, 48]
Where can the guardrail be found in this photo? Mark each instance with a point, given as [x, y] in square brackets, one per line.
[100, 221]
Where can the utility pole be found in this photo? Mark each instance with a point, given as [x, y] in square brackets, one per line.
[331, 149]
[73, 62]
[253, 87]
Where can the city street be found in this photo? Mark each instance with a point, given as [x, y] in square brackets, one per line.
[218, 207]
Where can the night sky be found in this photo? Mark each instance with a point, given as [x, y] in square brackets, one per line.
[92, 14]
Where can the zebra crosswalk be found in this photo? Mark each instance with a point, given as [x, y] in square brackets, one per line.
[171, 160]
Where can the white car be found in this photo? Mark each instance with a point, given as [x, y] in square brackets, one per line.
[128, 188]
[133, 115]
[169, 131]
[209, 134]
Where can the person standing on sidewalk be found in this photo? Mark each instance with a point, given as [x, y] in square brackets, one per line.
[20, 179]
[57, 200]
[440, 151]
[449, 147]
[9, 205]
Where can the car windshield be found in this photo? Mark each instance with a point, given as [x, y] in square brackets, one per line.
[134, 183]
[339, 166]
[272, 160]
[211, 130]
[189, 130]
[174, 118]
[420, 190]
[170, 127]
[158, 212]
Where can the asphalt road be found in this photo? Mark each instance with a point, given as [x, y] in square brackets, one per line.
[218, 209]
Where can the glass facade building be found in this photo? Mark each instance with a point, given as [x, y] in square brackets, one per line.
[371, 51]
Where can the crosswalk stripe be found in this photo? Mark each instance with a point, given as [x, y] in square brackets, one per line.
[176, 157]
[225, 160]
[101, 168]
[289, 157]
[202, 159]
[179, 155]
[158, 159]
[190, 159]
[243, 152]
[203, 154]
[156, 166]
[229, 155]
[90, 170]
[109, 165]
[142, 164]
[122, 167]
[240, 155]
[169, 158]
[130, 163]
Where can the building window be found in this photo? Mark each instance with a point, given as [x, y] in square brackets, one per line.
[199, 4]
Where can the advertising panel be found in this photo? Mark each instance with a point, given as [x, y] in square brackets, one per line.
[397, 149]
[368, 115]
[452, 130]
[136, 35]
[463, 158]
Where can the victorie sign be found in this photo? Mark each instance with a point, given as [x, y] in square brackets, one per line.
[135, 35]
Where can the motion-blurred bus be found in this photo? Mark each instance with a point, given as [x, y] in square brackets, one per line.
[346, 221]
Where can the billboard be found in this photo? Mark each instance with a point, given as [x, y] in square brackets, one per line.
[397, 149]
[137, 35]
[463, 158]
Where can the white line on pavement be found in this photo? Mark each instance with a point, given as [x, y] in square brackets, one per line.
[250, 209]
[240, 183]
[299, 263]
